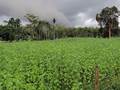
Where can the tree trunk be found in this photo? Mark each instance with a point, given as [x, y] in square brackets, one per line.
[110, 27]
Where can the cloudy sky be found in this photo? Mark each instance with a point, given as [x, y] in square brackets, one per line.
[69, 12]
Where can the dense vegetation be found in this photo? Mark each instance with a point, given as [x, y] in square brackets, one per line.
[65, 64]
[42, 30]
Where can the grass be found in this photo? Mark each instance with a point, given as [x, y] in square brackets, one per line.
[65, 64]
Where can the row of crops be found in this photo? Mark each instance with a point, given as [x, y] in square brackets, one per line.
[66, 64]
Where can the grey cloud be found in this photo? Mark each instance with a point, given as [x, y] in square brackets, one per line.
[45, 9]
[69, 12]
[72, 8]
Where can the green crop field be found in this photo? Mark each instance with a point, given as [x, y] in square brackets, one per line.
[65, 64]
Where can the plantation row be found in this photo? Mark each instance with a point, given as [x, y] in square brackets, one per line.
[66, 64]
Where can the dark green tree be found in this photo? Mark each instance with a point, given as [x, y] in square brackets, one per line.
[11, 30]
[108, 20]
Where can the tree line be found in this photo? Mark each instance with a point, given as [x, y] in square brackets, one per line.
[43, 30]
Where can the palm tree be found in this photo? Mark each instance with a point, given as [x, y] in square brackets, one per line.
[34, 23]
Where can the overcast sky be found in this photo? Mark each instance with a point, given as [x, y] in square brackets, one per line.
[69, 12]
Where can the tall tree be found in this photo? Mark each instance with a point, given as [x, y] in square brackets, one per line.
[34, 20]
[40, 29]
[11, 29]
[108, 19]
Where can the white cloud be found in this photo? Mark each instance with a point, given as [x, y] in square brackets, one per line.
[84, 21]
[91, 22]
[2, 19]
[119, 21]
